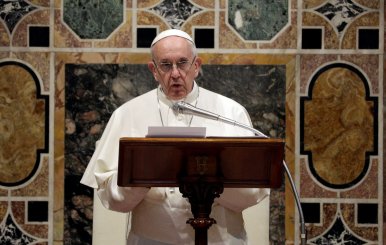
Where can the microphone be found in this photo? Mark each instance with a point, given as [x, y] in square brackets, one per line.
[186, 108]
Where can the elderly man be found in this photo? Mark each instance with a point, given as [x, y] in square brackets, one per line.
[159, 215]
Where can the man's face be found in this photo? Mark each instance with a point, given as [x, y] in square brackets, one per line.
[174, 66]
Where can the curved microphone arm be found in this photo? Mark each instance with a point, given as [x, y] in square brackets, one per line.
[186, 108]
[303, 231]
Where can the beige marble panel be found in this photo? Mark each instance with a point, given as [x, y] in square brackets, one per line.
[374, 4]
[40, 63]
[294, 5]
[38, 186]
[20, 33]
[4, 35]
[309, 187]
[120, 38]
[331, 38]
[349, 40]
[64, 37]
[382, 124]
[3, 193]
[338, 126]
[206, 18]
[57, 4]
[3, 209]
[40, 3]
[4, 55]
[223, 4]
[146, 18]
[309, 64]
[290, 133]
[147, 3]
[22, 124]
[309, 4]
[369, 64]
[210, 4]
[367, 189]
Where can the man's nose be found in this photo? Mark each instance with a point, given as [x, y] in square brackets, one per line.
[175, 71]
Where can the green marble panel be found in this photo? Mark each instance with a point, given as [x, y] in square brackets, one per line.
[258, 19]
[93, 19]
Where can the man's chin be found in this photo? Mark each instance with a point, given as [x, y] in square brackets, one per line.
[176, 95]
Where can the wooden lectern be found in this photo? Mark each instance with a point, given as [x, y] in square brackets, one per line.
[201, 168]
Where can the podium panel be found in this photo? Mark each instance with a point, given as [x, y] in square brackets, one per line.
[239, 162]
[201, 168]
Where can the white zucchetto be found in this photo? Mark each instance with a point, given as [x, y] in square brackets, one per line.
[172, 32]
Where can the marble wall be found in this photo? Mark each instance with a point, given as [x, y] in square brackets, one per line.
[308, 71]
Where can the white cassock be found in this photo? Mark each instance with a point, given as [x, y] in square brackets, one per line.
[159, 215]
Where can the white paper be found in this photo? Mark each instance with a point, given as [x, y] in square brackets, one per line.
[178, 132]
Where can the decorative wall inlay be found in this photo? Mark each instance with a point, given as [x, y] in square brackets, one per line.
[330, 36]
[23, 124]
[338, 156]
[338, 234]
[175, 13]
[340, 13]
[103, 42]
[367, 189]
[11, 233]
[65, 37]
[93, 19]
[367, 20]
[13, 11]
[309, 188]
[258, 20]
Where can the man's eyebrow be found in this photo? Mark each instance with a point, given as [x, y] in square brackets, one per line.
[169, 61]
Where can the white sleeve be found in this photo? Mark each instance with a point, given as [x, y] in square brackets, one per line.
[101, 172]
[238, 199]
[120, 199]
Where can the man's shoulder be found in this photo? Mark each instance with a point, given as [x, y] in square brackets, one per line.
[138, 102]
[214, 96]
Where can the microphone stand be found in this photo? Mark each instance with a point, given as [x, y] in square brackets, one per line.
[303, 231]
[186, 108]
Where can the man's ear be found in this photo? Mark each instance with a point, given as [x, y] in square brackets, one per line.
[197, 65]
[153, 69]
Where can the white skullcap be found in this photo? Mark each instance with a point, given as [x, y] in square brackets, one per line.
[172, 32]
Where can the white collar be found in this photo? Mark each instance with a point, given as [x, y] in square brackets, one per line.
[190, 98]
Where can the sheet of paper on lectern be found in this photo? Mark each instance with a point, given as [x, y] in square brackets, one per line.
[158, 131]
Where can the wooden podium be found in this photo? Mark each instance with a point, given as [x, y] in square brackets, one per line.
[201, 168]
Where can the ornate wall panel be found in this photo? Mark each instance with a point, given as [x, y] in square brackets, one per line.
[318, 64]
